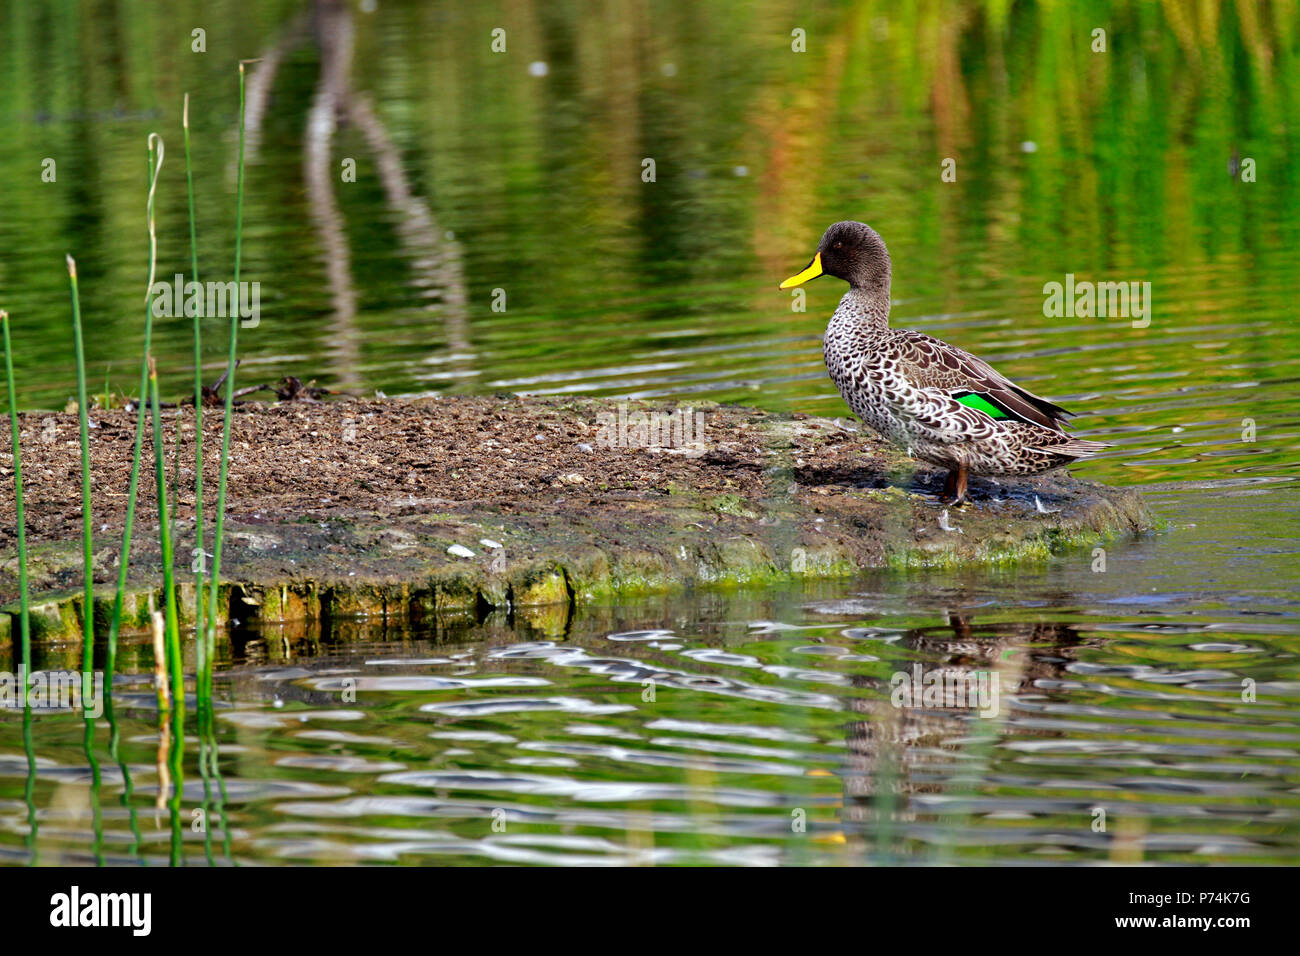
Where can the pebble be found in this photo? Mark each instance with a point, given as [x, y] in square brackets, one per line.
[460, 551]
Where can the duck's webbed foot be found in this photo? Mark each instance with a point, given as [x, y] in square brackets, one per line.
[954, 487]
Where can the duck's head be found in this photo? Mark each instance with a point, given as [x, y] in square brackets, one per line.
[851, 251]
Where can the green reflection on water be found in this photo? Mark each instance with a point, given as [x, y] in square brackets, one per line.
[1110, 167]
[617, 286]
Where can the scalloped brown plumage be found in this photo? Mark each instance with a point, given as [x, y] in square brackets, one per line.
[941, 403]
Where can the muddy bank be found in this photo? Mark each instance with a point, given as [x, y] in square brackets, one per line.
[411, 509]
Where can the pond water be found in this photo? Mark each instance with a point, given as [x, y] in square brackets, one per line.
[1148, 695]
[1120, 693]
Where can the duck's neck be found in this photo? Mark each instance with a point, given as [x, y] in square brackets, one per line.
[863, 308]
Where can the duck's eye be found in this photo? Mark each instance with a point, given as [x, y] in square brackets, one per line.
[839, 245]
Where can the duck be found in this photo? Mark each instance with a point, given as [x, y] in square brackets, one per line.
[941, 404]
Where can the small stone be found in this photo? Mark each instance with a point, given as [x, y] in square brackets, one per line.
[489, 543]
[460, 551]
[946, 525]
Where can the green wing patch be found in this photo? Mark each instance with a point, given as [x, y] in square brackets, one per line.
[982, 404]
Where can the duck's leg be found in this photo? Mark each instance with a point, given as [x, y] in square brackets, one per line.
[954, 487]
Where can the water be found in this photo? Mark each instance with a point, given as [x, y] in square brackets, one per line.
[532, 740]
[541, 742]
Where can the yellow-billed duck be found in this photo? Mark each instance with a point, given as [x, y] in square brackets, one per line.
[943, 405]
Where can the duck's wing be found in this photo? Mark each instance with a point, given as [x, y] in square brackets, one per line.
[929, 363]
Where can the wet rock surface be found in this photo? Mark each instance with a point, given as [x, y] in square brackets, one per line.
[407, 509]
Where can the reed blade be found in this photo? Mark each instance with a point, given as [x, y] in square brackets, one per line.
[24, 605]
[171, 623]
[87, 522]
[110, 659]
[223, 472]
[200, 632]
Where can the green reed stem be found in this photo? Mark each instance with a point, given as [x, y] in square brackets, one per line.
[174, 496]
[203, 768]
[24, 607]
[87, 541]
[218, 529]
[170, 618]
[96, 782]
[223, 797]
[128, 788]
[110, 663]
[201, 649]
[202, 665]
[29, 789]
[219, 525]
[87, 519]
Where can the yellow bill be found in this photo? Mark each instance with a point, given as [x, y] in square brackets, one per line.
[812, 272]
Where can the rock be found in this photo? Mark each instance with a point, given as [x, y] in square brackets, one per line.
[333, 535]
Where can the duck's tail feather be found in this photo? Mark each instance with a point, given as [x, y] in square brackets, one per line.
[1072, 448]
[1050, 409]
